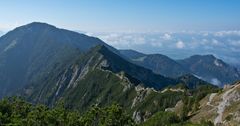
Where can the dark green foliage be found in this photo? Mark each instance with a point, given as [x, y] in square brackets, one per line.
[159, 101]
[190, 98]
[229, 117]
[198, 94]
[14, 111]
[162, 119]
[191, 103]
[186, 108]
[192, 82]
[109, 116]
[171, 119]
[105, 89]
[203, 90]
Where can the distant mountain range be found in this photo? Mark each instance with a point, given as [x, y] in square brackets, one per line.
[206, 67]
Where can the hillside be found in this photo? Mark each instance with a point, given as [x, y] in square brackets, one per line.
[114, 79]
[158, 63]
[221, 108]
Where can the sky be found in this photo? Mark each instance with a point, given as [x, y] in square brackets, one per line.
[124, 15]
[177, 28]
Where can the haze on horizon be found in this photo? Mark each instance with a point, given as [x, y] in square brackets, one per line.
[171, 27]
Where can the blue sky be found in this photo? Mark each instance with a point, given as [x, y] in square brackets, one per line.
[124, 15]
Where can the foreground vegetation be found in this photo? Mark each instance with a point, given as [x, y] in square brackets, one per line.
[15, 111]
[171, 119]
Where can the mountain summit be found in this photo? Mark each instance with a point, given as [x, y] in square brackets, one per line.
[33, 50]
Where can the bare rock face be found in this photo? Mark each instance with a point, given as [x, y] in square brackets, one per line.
[223, 109]
[228, 98]
[137, 117]
[236, 116]
[141, 94]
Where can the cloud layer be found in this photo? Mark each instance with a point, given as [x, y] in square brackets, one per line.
[180, 45]
[223, 44]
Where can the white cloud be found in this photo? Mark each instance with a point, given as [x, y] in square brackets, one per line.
[215, 42]
[205, 34]
[88, 33]
[122, 39]
[180, 44]
[166, 36]
[156, 44]
[139, 40]
[203, 41]
[227, 33]
[235, 42]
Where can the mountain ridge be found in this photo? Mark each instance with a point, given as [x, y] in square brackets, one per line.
[206, 67]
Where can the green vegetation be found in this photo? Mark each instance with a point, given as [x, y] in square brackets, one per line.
[105, 89]
[14, 111]
[156, 101]
[162, 119]
[171, 119]
[190, 99]
[191, 104]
